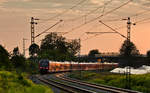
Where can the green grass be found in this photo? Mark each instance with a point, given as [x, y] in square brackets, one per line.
[138, 82]
[10, 82]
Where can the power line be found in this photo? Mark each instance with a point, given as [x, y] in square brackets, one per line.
[103, 33]
[113, 29]
[48, 28]
[120, 19]
[143, 20]
[99, 17]
[91, 11]
[140, 13]
[96, 34]
[52, 32]
[91, 37]
[146, 19]
[60, 14]
[99, 32]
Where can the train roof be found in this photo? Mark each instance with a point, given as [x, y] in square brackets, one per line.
[66, 62]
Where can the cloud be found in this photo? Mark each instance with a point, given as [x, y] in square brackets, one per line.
[3, 1]
[52, 7]
[99, 2]
[38, 0]
[146, 3]
[31, 4]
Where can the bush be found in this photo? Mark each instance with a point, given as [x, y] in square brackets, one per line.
[10, 82]
[138, 82]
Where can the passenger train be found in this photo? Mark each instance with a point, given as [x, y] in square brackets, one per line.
[46, 66]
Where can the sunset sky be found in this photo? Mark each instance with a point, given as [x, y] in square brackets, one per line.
[15, 22]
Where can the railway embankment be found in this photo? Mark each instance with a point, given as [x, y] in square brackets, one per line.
[137, 82]
[11, 82]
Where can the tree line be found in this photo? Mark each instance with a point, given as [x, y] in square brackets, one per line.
[56, 48]
[53, 47]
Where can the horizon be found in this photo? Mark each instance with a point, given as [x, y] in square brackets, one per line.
[15, 22]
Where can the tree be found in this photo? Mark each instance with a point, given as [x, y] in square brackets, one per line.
[52, 41]
[4, 59]
[56, 47]
[16, 51]
[93, 52]
[148, 54]
[129, 49]
[33, 49]
[18, 60]
[74, 47]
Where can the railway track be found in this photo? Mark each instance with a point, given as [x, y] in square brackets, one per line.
[71, 85]
[63, 86]
[96, 86]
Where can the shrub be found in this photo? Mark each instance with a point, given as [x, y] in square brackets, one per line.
[10, 82]
[138, 82]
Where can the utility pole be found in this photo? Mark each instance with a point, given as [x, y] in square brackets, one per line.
[33, 29]
[128, 29]
[129, 23]
[80, 46]
[128, 44]
[79, 57]
[24, 46]
[128, 69]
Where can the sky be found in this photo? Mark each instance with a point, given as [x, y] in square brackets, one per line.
[79, 16]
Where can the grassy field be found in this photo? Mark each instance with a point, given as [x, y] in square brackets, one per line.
[138, 82]
[10, 82]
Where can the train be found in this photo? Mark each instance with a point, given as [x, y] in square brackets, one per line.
[47, 66]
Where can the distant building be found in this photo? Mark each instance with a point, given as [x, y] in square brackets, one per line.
[108, 54]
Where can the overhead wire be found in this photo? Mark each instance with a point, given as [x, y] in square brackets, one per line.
[48, 28]
[138, 14]
[113, 29]
[99, 17]
[146, 19]
[62, 13]
[120, 19]
[103, 33]
[143, 20]
[111, 20]
[93, 36]
[90, 37]
[92, 11]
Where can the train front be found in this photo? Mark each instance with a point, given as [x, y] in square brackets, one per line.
[43, 66]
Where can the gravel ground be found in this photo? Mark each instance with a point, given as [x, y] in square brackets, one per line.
[36, 81]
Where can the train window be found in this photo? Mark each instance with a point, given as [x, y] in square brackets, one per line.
[44, 63]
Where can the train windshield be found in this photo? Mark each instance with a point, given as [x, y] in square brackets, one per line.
[44, 63]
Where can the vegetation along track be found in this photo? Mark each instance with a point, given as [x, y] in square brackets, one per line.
[65, 87]
[109, 89]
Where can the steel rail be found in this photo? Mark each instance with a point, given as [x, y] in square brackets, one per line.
[101, 87]
[57, 86]
[65, 87]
